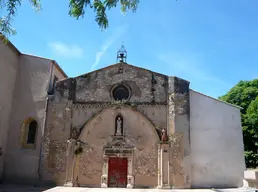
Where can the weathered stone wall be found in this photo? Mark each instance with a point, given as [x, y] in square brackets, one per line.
[146, 166]
[97, 125]
[64, 91]
[157, 114]
[157, 102]
[179, 124]
[89, 166]
[90, 94]
[82, 113]
[93, 115]
[146, 86]
[177, 173]
[139, 132]
[57, 132]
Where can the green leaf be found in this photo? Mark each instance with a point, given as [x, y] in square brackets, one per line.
[77, 9]
[11, 8]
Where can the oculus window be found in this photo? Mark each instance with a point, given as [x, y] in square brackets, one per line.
[121, 93]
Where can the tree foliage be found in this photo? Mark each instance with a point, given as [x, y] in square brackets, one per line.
[245, 95]
[77, 9]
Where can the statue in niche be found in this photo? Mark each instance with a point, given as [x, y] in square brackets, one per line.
[164, 136]
[119, 126]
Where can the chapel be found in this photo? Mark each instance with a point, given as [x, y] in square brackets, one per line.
[125, 126]
[119, 126]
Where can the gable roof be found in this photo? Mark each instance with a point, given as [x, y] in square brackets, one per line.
[10, 45]
[52, 61]
[121, 63]
[232, 105]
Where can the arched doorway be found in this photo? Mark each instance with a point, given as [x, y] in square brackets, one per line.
[114, 137]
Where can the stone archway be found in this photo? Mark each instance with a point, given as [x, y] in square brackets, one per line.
[137, 143]
[113, 112]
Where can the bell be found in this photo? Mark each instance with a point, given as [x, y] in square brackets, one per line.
[121, 57]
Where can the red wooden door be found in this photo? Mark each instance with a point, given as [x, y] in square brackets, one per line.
[117, 172]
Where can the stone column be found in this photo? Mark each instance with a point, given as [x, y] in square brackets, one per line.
[130, 178]
[163, 166]
[159, 162]
[165, 163]
[179, 122]
[104, 176]
[70, 163]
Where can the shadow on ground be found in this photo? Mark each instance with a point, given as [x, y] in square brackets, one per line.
[21, 188]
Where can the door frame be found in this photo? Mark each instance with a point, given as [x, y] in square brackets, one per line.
[121, 153]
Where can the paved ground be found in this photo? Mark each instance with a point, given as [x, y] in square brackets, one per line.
[17, 188]
[75, 189]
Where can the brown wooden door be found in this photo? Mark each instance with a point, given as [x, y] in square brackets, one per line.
[117, 172]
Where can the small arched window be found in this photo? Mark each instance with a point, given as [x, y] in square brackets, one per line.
[29, 133]
[32, 129]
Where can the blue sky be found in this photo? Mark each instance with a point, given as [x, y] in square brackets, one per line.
[213, 44]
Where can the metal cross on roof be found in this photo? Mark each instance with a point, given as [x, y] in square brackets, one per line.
[121, 54]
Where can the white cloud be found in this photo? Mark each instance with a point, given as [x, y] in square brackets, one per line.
[100, 54]
[69, 51]
[107, 44]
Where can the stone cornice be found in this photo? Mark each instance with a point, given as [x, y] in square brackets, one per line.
[104, 105]
[151, 105]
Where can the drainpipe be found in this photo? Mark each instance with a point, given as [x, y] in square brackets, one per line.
[45, 120]
[50, 84]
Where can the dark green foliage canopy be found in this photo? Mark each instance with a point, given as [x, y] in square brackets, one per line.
[77, 9]
[245, 95]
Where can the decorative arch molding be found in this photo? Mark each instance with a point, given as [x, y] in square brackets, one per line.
[152, 125]
[109, 147]
[103, 147]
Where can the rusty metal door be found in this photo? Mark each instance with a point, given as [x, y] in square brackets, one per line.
[117, 172]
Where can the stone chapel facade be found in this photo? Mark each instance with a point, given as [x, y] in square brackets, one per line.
[120, 126]
[124, 126]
